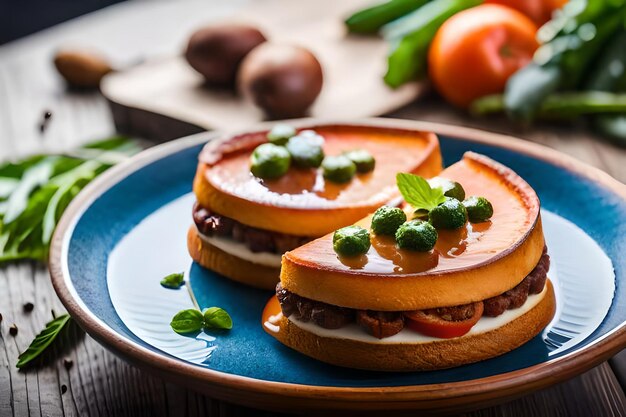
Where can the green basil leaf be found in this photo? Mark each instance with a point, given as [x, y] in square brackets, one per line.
[33, 178]
[43, 340]
[16, 169]
[50, 215]
[7, 185]
[7, 252]
[110, 144]
[187, 321]
[115, 150]
[65, 164]
[34, 210]
[14, 253]
[217, 318]
[66, 181]
[84, 170]
[174, 281]
[418, 193]
[35, 191]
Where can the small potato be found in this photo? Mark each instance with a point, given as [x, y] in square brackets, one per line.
[81, 69]
[217, 51]
[283, 80]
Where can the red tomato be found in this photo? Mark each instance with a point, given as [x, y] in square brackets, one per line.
[435, 326]
[540, 11]
[475, 52]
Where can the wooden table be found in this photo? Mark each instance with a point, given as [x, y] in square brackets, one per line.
[84, 379]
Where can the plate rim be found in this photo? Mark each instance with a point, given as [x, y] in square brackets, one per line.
[286, 395]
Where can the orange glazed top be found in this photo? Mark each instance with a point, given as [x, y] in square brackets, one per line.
[305, 189]
[515, 212]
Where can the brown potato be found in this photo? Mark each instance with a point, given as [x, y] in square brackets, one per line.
[81, 68]
[283, 80]
[217, 51]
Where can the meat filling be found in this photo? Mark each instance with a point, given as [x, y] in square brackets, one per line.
[532, 284]
[380, 324]
[257, 240]
[456, 313]
[324, 315]
[383, 324]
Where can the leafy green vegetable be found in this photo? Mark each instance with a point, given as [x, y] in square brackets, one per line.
[411, 36]
[34, 193]
[369, 20]
[217, 318]
[610, 75]
[566, 105]
[418, 193]
[570, 45]
[43, 340]
[7, 185]
[187, 321]
[173, 281]
[33, 178]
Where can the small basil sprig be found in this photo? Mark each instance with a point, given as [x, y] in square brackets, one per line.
[418, 193]
[192, 320]
[187, 321]
[43, 340]
[217, 318]
[174, 281]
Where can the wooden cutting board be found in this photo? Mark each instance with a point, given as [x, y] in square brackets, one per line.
[353, 69]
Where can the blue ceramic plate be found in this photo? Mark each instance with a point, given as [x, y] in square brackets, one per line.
[128, 229]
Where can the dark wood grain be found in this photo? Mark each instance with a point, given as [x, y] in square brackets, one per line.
[100, 384]
[618, 363]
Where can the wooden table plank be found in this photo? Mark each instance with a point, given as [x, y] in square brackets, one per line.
[98, 383]
[618, 363]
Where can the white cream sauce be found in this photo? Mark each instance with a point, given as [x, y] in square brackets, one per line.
[240, 250]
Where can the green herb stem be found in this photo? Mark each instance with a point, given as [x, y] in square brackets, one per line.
[192, 296]
[564, 105]
[43, 340]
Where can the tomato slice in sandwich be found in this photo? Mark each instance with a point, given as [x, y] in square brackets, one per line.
[435, 326]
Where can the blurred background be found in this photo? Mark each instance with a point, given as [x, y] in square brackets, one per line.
[21, 18]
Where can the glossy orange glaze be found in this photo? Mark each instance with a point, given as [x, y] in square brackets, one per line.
[515, 208]
[394, 151]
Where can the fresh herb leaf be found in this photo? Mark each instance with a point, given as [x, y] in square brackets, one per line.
[174, 281]
[114, 143]
[418, 193]
[43, 340]
[217, 318]
[35, 191]
[33, 178]
[187, 321]
[7, 186]
[69, 183]
[16, 169]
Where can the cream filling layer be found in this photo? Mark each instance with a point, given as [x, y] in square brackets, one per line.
[240, 250]
[354, 332]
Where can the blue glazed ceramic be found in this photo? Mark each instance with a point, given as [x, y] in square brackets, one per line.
[128, 230]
